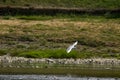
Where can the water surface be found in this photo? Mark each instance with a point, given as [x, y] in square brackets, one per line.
[51, 77]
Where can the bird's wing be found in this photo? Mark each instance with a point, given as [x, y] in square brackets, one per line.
[69, 49]
[71, 46]
[75, 43]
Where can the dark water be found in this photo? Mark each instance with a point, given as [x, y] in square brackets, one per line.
[50, 77]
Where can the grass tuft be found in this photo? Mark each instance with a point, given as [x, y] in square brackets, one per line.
[58, 53]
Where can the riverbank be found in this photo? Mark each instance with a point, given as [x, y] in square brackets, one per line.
[8, 61]
[81, 67]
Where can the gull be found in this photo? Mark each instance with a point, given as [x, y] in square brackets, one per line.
[71, 47]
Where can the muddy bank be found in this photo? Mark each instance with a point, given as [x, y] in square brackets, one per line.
[53, 11]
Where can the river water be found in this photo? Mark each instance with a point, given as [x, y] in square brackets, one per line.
[51, 77]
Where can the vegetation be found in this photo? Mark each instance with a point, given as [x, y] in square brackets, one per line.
[39, 36]
[90, 4]
[49, 54]
[49, 36]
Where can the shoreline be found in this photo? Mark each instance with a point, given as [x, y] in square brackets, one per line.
[101, 61]
[87, 67]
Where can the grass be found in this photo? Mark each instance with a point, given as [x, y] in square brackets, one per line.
[49, 36]
[71, 17]
[35, 17]
[49, 54]
[90, 4]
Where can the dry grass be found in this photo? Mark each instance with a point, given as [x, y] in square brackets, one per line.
[64, 28]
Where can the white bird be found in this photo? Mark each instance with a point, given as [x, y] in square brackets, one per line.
[71, 47]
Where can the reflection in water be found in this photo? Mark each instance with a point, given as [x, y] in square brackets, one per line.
[50, 77]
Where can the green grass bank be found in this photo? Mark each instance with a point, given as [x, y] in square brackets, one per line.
[49, 36]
